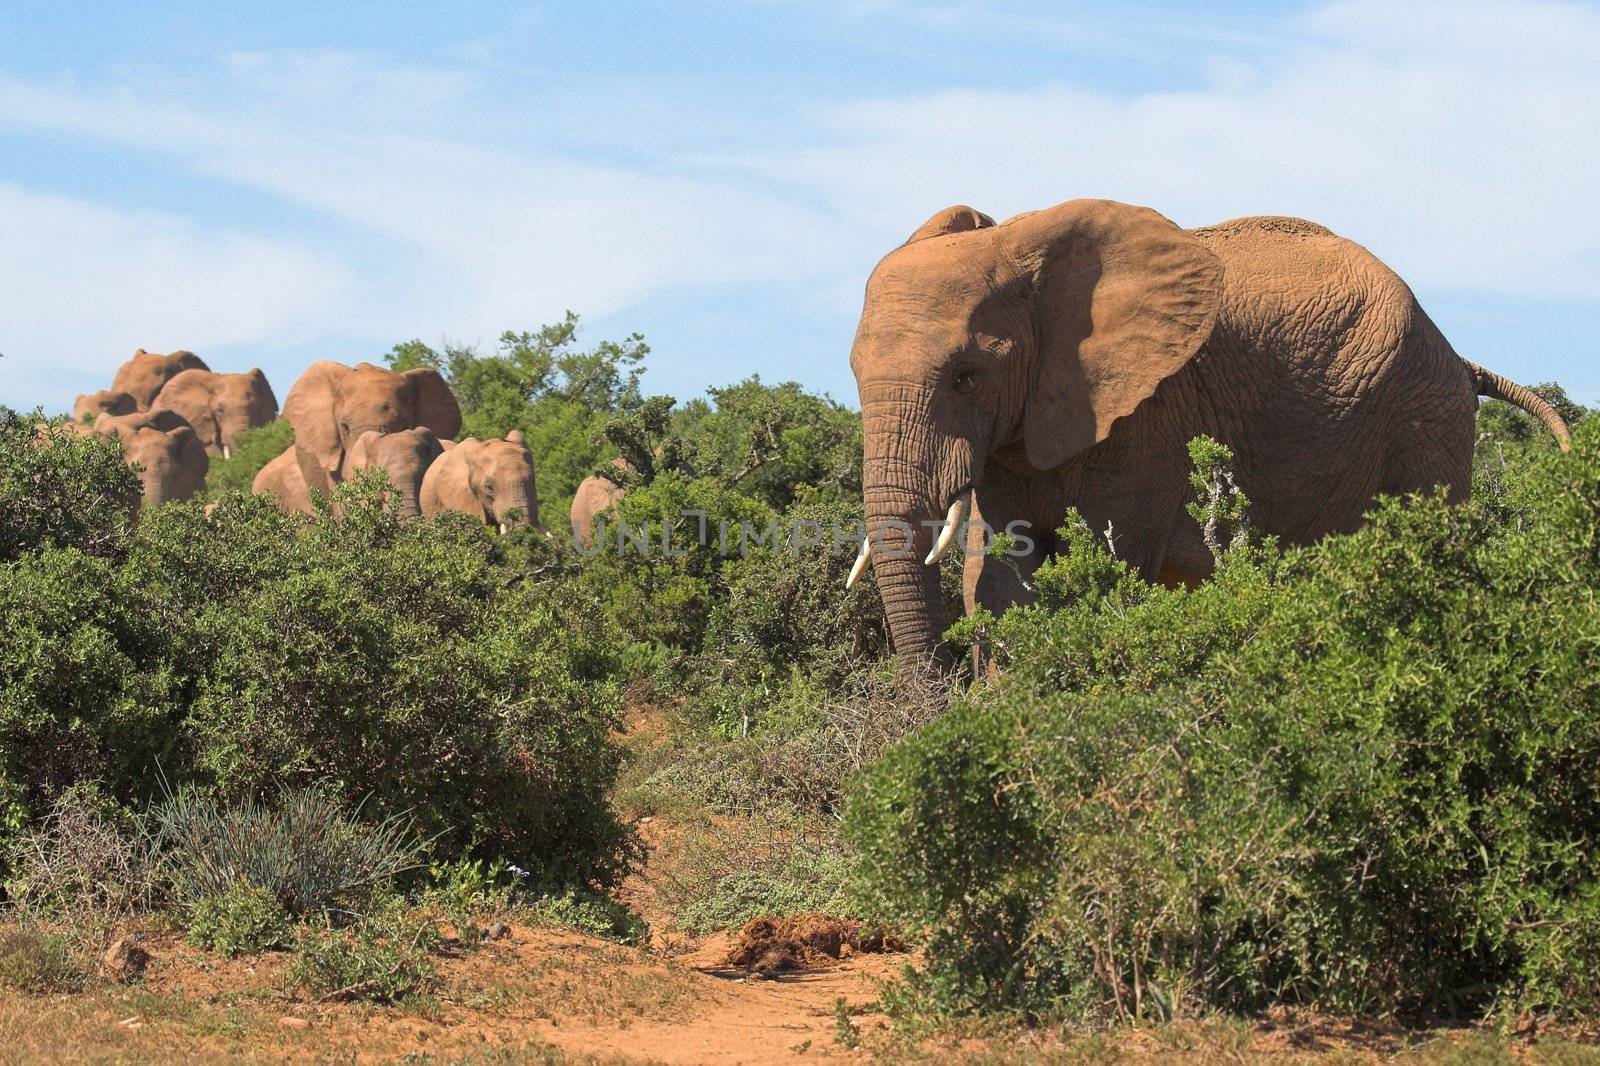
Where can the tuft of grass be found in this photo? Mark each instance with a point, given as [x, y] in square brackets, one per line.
[308, 849]
[38, 963]
[589, 912]
[385, 956]
[244, 920]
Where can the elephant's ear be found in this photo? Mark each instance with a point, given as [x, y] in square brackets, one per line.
[957, 219]
[262, 396]
[516, 437]
[188, 393]
[436, 405]
[312, 409]
[360, 454]
[1123, 299]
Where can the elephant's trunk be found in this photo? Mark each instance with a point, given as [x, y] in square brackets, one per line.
[912, 476]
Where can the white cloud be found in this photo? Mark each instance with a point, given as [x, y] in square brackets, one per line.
[85, 285]
[1460, 141]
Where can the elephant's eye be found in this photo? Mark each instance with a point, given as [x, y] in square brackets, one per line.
[966, 381]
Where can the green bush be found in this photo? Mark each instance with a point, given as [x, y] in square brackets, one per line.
[37, 963]
[1358, 776]
[60, 488]
[252, 449]
[242, 920]
[587, 911]
[385, 956]
[405, 666]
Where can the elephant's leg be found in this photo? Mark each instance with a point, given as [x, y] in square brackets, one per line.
[998, 584]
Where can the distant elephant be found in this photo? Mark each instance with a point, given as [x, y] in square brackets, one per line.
[88, 407]
[406, 457]
[490, 479]
[1065, 357]
[219, 406]
[332, 405]
[172, 459]
[143, 376]
[595, 495]
[281, 479]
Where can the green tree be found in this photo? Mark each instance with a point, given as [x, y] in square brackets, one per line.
[545, 384]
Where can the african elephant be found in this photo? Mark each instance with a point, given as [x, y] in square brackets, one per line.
[89, 406]
[332, 405]
[219, 406]
[1065, 357]
[490, 479]
[281, 478]
[595, 494]
[405, 457]
[143, 376]
[172, 459]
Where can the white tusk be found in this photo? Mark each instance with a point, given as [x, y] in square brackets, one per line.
[952, 524]
[502, 529]
[227, 453]
[863, 560]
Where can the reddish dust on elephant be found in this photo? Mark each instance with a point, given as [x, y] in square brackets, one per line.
[144, 375]
[172, 461]
[332, 405]
[489, 479]
[219, 406]
[596, 494]
[1066, 357]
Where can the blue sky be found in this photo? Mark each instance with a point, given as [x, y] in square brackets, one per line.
[269, 185]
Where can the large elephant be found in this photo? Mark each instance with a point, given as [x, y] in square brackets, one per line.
[219, 406]
[144, 376]
[1065, 357]
[490, 479]
[405, 457]
[332, 405]
[89, 406]
[595, 494]
[281, 480]
[171, 458]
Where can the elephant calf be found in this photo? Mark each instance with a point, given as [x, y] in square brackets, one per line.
[405, 457]
[172, 462]
[490, 479]
[1066, 357]
[595, 495]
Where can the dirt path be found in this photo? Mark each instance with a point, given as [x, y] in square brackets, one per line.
[727, 1017]
[540, 995]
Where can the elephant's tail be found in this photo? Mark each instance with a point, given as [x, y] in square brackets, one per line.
[1492, 385]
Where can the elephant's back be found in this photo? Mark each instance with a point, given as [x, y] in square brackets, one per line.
[1319, 307]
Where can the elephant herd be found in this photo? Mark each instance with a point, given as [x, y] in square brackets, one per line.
[1008, 372]
[171, 414]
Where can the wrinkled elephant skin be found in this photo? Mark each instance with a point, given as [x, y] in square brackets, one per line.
[1066, 357]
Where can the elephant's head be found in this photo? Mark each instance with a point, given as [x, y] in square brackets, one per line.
[171, 460]
[1033, 337]
[404, 456]
[332, 405]
[219, 406]
[88, 407]
[492, 479]
[144, 376]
